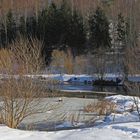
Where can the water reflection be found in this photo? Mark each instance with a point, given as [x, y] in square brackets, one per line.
[71, 87]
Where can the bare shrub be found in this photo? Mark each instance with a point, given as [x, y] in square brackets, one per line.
[100, 108]
[80, 64]
[20, 94]
[132, 67]
[62, 61]
[6, 64]
[28, 56]
[20, 98]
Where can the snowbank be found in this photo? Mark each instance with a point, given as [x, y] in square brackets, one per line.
[128, 131]
[125, 109]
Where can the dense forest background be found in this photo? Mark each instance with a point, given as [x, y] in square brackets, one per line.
[76, 27]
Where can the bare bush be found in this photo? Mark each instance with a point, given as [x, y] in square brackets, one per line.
[131, 63]
[133, 69]
[20, 99]
[62, 61]
[81, 64]
[28, 56]
[20, 94]
[100, 108]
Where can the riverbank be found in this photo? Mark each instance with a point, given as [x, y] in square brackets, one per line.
[122, 124]
[68, 113]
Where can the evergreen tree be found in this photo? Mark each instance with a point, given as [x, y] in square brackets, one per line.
[32, 26]
[11, 27]
[52, 28]
[121, 30]
[59, 28]
[2, 35]
[29, 27]
[131, 34]
[99, 30]
[22, 26]
[76, 35]
[42, 24]
[53, 23]
[8, 29]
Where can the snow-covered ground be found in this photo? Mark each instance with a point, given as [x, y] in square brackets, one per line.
[127, 131]
[125, 110]
[122, 124]
[81, 78]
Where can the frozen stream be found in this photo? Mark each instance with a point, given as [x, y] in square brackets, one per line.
[68, 111]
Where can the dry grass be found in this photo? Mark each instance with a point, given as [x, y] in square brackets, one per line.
[100, 108]
[74, 118]
[62, 61]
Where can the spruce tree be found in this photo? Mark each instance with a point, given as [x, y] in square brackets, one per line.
[22, 26]
[32, 26]
[121, 30]
[11, 27]
[2, 35]
[99, 30]
[8, 29]
[76, 35]
[42, 24]
[52, 27]
[53, 24]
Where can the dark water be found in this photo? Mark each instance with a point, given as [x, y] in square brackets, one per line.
[116, 89]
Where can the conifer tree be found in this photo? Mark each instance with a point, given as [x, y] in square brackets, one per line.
[121, 30]
[32, 26]
[22, 26]
[42, 23]
[99, 30]
[11, 27]
[8, 29]
[2, 35]
[76, 35]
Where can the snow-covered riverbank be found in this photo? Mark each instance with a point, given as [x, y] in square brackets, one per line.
[122, 124]
[127, 131]
[79, 78]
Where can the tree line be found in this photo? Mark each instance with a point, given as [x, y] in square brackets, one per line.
[61, 28]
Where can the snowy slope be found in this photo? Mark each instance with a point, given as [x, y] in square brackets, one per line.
[128, 131]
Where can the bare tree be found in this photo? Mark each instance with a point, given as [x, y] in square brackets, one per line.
[132, 54]
[100, 63]
[132, 67]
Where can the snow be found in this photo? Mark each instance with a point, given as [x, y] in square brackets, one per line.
[123, 124]
[125, 110]
[84, 77]
[67, 77]
[124, 117]
[127, 131]
[124, 103]
[80, 78]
